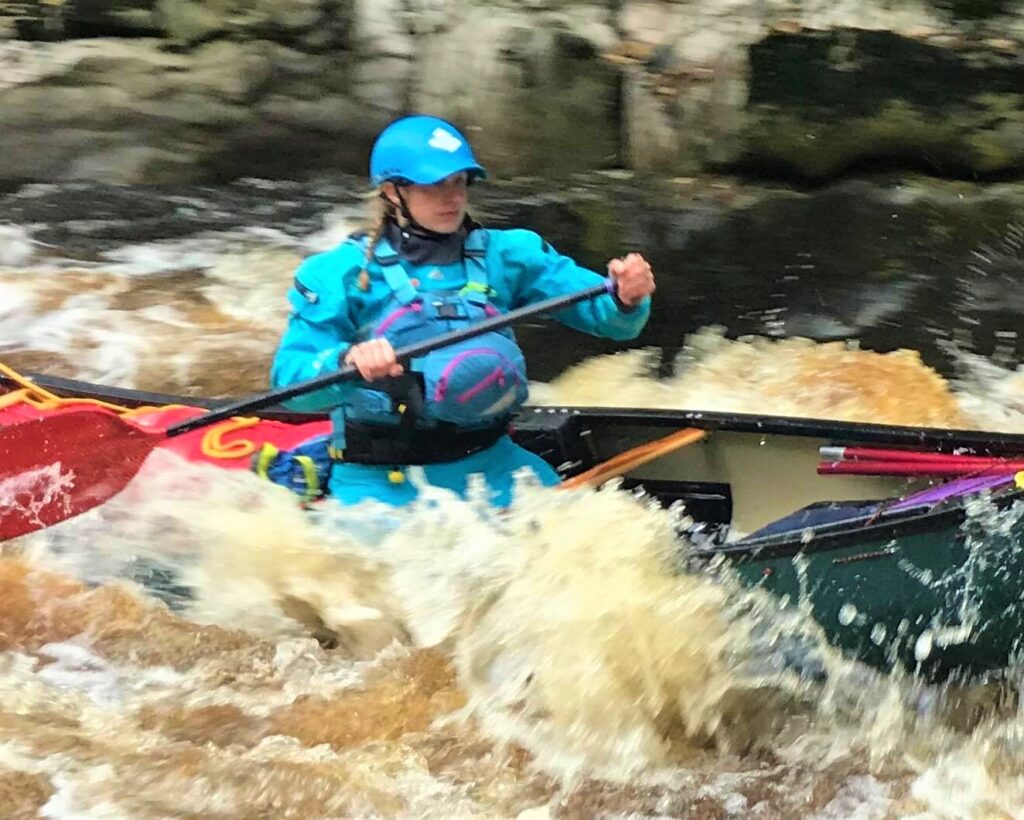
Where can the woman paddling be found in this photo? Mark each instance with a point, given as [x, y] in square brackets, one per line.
[425, 269]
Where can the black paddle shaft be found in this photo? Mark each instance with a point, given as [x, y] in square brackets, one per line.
[402, 354]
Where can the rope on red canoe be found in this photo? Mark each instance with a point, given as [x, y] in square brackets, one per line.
[39, 398]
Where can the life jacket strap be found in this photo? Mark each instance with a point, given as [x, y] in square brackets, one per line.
[386, 258]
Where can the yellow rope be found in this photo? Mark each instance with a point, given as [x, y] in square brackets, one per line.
[38, 396]
[213, 445]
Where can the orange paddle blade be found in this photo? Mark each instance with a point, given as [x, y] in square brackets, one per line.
[57, 467]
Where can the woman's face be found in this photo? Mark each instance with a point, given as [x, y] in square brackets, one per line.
[440, 207]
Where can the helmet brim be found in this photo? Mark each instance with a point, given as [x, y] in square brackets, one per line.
[434, 173]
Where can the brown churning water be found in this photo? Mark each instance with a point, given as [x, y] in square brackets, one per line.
[446, 662]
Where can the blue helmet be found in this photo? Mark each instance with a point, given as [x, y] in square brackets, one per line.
[421, 150]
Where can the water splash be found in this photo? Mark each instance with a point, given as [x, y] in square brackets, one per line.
[794, 377]
[554, 659]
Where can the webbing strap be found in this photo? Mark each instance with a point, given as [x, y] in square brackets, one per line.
[394, 274]
[398, 280]
[475, 250]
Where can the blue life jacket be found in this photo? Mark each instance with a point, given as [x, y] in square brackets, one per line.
[476, 383]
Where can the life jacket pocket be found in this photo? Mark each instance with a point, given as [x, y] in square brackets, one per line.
[475, 382]
[472, 384]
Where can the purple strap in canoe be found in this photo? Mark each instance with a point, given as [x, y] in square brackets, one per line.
[952, 489]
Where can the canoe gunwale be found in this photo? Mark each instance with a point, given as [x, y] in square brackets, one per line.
[941, 439]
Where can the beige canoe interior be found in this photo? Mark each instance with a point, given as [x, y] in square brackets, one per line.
[770, 475]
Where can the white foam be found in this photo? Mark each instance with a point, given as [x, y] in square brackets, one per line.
[16, 246]
[77, 668]
[860, 798]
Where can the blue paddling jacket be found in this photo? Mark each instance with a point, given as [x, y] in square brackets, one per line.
[475, 384]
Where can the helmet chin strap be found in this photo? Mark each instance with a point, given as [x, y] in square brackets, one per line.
[411, 223]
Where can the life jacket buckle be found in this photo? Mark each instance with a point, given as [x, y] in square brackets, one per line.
[449, 310]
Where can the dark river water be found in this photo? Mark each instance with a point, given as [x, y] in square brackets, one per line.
[886, 262]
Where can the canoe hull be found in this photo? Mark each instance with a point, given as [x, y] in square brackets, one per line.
[938, 598]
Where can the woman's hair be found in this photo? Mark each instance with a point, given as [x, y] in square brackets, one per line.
[378, 211]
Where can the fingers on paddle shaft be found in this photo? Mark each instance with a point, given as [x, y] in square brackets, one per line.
[57, 467]
[374, 360]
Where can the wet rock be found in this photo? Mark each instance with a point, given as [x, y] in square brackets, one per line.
[820, 102]
[110, 18]
[283, 21]
[287, 88]
[275, 89]
[67, 19]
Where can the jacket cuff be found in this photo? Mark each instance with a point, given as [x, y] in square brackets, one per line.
[623, 307]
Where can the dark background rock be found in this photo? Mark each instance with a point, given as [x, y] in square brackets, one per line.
[155, 91]
[71, 19]
[821, 102]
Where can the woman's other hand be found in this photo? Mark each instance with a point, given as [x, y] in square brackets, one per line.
[633, 278]
[374, 360]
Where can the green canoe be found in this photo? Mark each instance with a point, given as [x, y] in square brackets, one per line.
[937, 587]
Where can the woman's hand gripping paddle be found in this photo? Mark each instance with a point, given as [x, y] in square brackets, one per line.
[55, 468]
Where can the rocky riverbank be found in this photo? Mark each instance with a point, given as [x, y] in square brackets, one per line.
[147, 91]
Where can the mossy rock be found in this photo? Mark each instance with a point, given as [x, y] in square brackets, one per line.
[822, 102]
[978, 9]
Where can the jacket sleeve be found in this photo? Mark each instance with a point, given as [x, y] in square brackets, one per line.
[536, 271]
[320, 330]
